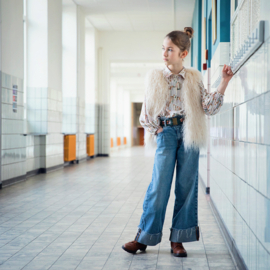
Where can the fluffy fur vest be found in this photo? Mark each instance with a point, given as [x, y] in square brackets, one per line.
[157, 93]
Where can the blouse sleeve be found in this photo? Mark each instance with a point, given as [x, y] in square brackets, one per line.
[211, 102]
[151, 125]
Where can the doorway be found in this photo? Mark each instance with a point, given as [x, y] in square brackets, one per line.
[137, 131]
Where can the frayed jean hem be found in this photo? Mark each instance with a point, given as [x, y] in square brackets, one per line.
[185, 235]
[148, 239]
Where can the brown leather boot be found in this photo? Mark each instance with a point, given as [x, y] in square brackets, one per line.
[133, 246]
[178, 250]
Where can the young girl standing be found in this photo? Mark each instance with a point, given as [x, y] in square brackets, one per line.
[173, 114]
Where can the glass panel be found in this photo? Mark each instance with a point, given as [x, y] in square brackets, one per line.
[255, 13]
[244, 21]
[236, 4]
[235, 36]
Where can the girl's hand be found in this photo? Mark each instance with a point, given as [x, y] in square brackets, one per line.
[226, 73]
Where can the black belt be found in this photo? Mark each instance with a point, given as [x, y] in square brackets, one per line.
[172, 121]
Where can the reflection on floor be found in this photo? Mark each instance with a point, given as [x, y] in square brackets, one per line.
[79, 217]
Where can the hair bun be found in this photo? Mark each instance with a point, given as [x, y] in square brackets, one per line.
[189, 31]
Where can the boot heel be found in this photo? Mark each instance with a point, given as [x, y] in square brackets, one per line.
[171, 251]
[143, 249]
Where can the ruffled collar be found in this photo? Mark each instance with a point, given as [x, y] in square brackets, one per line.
[167, 72]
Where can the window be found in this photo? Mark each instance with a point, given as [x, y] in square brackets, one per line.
[25, 62]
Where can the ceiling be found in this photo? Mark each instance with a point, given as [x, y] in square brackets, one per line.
[138, 15]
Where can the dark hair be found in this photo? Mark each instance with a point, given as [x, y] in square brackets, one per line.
[181, 38]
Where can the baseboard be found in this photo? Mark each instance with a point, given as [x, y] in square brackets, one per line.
[51, 169]
[81, 160]
[13, 181]
[29, 174]
[33, 173]
[102, 155]
[228, 238]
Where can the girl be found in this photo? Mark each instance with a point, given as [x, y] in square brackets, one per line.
[173, 114]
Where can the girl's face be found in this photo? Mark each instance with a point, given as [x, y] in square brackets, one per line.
[171, 53]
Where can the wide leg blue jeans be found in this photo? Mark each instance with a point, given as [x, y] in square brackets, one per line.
[170, 151]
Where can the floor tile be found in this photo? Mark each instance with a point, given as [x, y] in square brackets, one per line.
[80, 216]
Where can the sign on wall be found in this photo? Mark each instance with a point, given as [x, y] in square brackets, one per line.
[14, 97]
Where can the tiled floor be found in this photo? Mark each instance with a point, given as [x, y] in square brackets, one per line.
[79, 217]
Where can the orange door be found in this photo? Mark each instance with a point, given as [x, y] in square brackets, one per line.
[141, 136]
[69, 147]
[91, 145]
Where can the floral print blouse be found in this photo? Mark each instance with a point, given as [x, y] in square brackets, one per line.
[211, 102]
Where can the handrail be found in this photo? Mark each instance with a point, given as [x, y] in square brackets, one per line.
[246, 50]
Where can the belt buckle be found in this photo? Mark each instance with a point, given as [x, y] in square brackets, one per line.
[164, 123]
[175, 122]
[169, 122]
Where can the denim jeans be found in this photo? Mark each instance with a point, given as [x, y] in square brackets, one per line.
[170, 151]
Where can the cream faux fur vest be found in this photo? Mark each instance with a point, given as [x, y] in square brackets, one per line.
[157, 93]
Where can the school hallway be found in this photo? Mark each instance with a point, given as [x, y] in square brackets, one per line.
[74, 79]
[80, 216]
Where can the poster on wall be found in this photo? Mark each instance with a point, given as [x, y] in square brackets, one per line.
[214, 21]
[204, 39]
[14, 97]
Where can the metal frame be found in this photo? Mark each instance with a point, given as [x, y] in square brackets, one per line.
[252, 43]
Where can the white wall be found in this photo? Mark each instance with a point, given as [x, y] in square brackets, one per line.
[74, 75]
[44, 68]
[91, 84]
[12, 29]
[13, 154]
[69, 39]
[37, 45]
[81, 136]
[90, 75]
[240, 150]
[44, 82]
[55, 44]
[54, 138]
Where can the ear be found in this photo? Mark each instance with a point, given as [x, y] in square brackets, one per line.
[185, 53]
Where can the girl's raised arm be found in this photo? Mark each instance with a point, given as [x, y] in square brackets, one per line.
[211, 102]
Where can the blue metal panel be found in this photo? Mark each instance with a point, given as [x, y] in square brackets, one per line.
[209, 39]
[196, 41]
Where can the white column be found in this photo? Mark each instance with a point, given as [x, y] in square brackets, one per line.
[44, 84]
